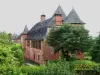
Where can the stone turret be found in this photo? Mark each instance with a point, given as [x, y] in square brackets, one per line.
[24, 36]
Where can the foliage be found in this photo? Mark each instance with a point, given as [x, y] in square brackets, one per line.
[82, 65]
[7, 60]
[17, 52]
[4, 38]
[87, 56]
[69, 38]
[85, 67]
[10, 58]
[55, 68]
[96, 50]
[59, 68]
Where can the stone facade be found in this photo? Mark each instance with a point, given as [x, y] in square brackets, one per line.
[34, 43]
[40, 55]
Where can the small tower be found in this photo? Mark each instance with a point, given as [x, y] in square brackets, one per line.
[14, 37]
[24, 36]
[59, 16]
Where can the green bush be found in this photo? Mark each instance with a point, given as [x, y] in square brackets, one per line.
[56, 68]
[87, 54]
[59, 68]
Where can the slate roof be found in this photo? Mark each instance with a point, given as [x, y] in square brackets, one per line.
[38, 31]
[24, 32]
[38, 34]
[73, 18]
[60, 11]
[14, 36]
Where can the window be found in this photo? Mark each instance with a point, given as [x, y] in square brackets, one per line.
[39, 44]
[36, 44]
[33, 44]
[38, 57]
[34, 56]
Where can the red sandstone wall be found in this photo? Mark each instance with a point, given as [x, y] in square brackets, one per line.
[48, 52]
[79, 55]
[23, 41]
[31, 52]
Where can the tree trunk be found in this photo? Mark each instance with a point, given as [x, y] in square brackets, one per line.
[67, 55]
[62, 55]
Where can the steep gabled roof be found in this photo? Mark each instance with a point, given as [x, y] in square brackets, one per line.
[14, 36]
[60, 11]
[25, 30]
[73, 18]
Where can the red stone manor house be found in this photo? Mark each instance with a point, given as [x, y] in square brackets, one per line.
[34, 40]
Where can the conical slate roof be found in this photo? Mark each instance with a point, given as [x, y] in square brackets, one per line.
[60, 11]
[25, 30]
[73, 18]
[14, 36]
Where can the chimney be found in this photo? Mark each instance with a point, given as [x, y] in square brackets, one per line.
[42, 17]
[58, 19]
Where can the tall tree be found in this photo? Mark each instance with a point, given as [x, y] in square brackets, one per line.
[69, 38]
[96, 50]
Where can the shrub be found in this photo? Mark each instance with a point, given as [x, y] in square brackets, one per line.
[59, 68]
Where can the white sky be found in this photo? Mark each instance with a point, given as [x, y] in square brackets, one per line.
[15, 14]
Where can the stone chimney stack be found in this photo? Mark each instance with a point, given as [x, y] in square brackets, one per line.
[58, 19]
[43, 17]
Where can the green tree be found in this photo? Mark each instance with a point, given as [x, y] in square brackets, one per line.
[96, 50]
[4, 38]
[11, 55]
[69, 38]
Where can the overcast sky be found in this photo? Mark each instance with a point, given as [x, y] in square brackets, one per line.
[15, 14]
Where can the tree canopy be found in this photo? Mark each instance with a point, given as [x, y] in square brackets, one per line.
[69, 38]
[4, 38]
[96, 50]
